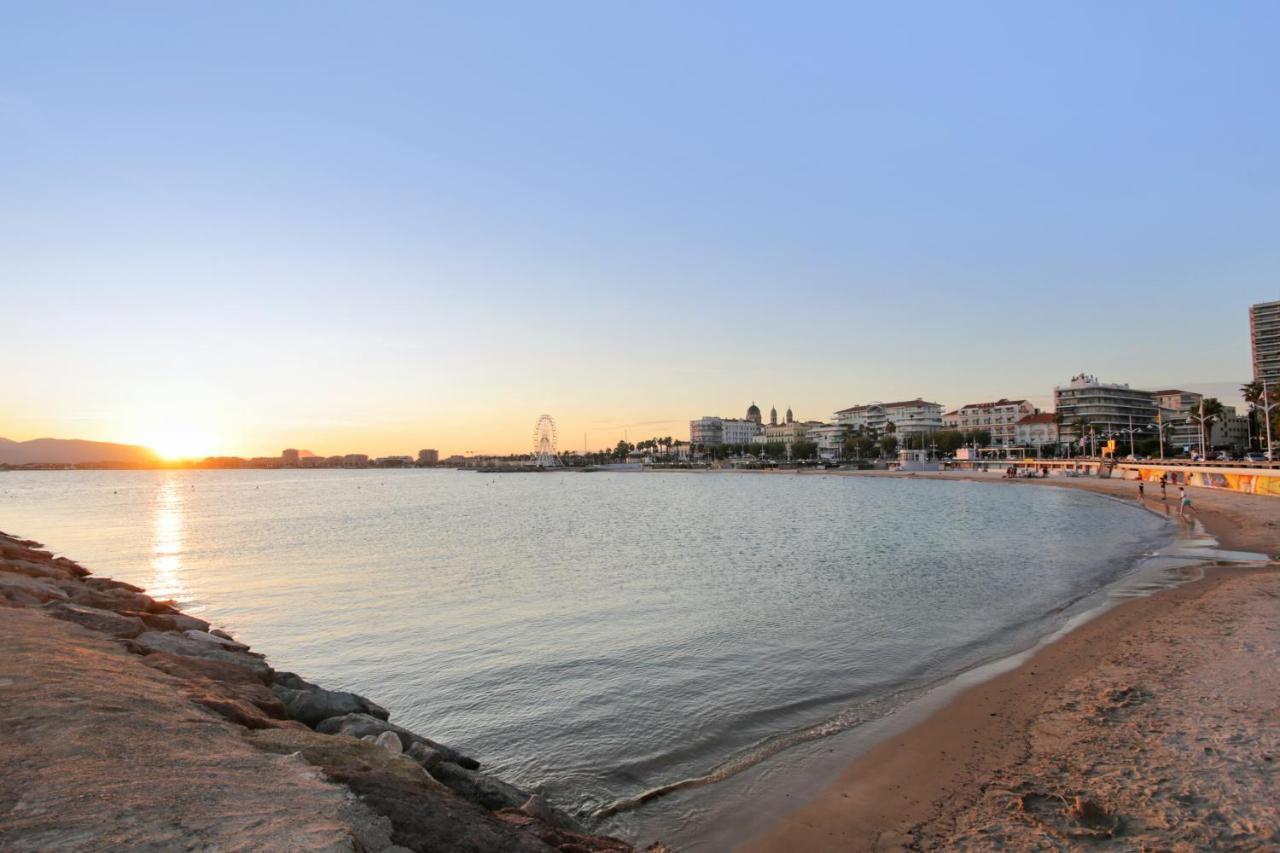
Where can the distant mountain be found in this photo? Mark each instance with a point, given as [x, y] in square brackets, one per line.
[71, 451]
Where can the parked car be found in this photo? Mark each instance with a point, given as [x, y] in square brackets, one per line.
[1255, 457]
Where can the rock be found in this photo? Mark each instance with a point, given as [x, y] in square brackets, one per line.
[483, 790]
[218, 632]
[358, 725]
[424, 814]
[205, 637]
[27, 590]
[424, 755]
[119, 600]
[36, 570]
[103, 621]
[293, 681]
[71, 566]
[181, 644]
[315, 705]
[389, 741]
[169, 621]
[106, 584]
[566, 840]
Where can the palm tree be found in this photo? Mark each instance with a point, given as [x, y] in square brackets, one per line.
[1252, 393]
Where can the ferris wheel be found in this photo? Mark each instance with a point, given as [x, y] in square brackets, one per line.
[544, 442]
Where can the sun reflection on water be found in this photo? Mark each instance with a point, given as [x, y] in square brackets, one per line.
[166, 560]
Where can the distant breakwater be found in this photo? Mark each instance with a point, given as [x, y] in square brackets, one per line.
[435, 797]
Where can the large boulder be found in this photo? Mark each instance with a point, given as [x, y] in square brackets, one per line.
[293, 681]
[180, 644]
[169, 621]
[28, 591]
[482, 789]
[214, 639]
[424, 814]
[227, 673]
[103, 621]
[315, 705]
[117, 599]
[36, 570]
[359, 725]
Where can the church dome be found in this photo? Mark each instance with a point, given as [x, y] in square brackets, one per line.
[753, 413]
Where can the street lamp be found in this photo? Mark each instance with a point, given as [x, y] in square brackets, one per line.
[1199, 419]
[1266, 413]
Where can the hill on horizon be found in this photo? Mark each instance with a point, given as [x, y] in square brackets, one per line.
[71, 451]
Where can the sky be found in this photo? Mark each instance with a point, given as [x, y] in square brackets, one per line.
[239, 227]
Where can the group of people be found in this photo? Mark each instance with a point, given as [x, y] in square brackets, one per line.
[1184, 500]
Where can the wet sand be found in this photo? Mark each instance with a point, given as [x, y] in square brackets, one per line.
[1155, 725]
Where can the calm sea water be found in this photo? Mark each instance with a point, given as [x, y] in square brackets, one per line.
[601, 635]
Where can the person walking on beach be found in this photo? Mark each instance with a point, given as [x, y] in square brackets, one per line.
[1184, 501]
[1142, 489]
[1164, 480]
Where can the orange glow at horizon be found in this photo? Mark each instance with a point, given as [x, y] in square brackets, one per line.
[176, 440]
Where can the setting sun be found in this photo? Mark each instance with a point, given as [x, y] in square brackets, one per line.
[175, 440]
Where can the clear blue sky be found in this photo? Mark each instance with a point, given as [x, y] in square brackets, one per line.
[387, 226]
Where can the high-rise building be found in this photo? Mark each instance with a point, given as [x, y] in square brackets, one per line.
[1264, 330]
[428, 457]
[1089, 407]
[289, 458]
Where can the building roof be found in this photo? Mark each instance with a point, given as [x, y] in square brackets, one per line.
[1169, 391]
[918, 401]
[1001, 402]
[1041, 418]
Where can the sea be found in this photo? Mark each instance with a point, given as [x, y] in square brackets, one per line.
[659, 653]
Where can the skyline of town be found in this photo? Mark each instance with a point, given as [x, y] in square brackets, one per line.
[1008, 421]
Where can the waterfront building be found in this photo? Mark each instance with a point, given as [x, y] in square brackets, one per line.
[1264, 332]
[1178, 410]
[428, 457]
[829, 438]
[788, 433]
[1037, 431]
[289, 457]
[909, 418]
[1089, 407]
[711, 431]
[394, 462]
[998, 417]
[355, 460]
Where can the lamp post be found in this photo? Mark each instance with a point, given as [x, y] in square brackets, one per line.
[1266, 413]
[1199, 419]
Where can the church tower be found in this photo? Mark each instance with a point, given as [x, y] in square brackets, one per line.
[773, 416]
[790, 417]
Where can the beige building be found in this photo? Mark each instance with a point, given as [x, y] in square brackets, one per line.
[998, 417]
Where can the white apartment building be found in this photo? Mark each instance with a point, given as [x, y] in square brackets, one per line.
[1037, 431]
[1090, 407]
[909, 418]
[829, 438]
[713, 431]
[998, 417]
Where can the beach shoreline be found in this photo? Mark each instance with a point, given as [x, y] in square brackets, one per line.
[128, 724]
[1080, 741]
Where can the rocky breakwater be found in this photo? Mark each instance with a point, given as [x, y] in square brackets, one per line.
[427, 796]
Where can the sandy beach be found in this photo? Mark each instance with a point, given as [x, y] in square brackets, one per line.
[1155, 725]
